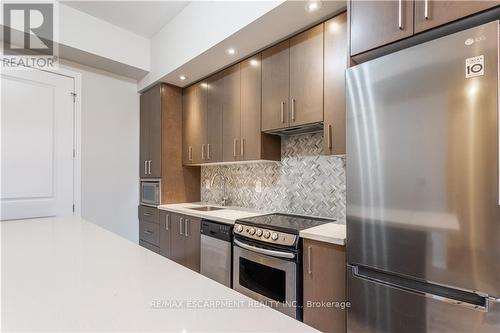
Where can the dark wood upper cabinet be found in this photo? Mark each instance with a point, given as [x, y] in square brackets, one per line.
[144, 136]
[215, 92]
[194, 122]
[154, 125]
[231, 128]
[250, 145]
[276, 86]
[306, 77]
[150, 133]
[160, 150]
[376, 23]
[336, 60]
[432, 13]
[324, 281]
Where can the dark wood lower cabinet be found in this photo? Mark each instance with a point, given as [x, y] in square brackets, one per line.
[150, 247]
[180, 239]
[149, 229]
[165, 234]
[324, 281]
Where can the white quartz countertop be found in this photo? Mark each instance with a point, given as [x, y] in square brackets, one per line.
[334, 233]
[227, 215]
[71, 275]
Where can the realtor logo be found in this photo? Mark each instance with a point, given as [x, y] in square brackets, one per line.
[29, 31]
[33, 20]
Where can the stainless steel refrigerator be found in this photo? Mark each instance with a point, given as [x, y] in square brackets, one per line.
[423, 194]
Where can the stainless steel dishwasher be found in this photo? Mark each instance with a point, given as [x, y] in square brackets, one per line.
[216, 249]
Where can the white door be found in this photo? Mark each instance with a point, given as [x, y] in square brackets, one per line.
[37, 126]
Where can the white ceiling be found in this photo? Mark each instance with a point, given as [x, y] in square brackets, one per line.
[144, 18]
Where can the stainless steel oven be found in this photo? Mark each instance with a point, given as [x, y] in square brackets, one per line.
[150, 192]
[269, 275]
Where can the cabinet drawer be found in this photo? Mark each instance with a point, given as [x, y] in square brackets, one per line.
[149, 232]
[149, 214]
[150, 247]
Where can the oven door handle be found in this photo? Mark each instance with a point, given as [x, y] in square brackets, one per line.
[279, 254]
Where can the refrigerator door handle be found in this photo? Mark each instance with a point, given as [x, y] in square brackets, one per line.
[471, 300]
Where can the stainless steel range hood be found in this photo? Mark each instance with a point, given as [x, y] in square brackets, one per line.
[297, 130]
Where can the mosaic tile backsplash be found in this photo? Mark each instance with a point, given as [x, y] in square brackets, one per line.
[303, 182]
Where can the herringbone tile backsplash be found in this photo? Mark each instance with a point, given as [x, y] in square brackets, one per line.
[304, 182]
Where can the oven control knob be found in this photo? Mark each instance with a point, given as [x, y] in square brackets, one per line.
[267, 234]
[258, 233]
[252, 231]
[274, 236]
[239, 228]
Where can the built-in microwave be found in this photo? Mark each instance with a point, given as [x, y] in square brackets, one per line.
[150, 192]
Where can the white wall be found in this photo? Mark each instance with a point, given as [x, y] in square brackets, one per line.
[92, 35]
[109, 150]
[200, 26]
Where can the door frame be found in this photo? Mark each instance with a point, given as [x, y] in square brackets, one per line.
[77, 134]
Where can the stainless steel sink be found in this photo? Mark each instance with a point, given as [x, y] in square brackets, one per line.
[205, 208]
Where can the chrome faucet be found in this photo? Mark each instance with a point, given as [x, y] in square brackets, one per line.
[224, 180]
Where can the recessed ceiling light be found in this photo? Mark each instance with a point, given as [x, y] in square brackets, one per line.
[182, 77]
[313, 5]
[254, 62]
[231, 51]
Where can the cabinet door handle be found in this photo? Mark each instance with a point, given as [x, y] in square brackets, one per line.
[147, 214]
[149, 167]
[282, 105]
[309, 250]
[426, 9]
[180, 226]
[148, 232]
[167, 222]
[235, 143]
[145, 167]
[400, 14]
[203, 151]
[208, 151]
[330, 138]
[190, 153]
[242, 146]
[293, 109]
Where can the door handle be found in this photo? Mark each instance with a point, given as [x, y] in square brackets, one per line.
[208, 151]
[330, 138]
[400, 14]
[149, 167]
[203, 151]
[145, 167]
[190, 153]
[234, 147]
[242, 147]
[293, 109]
[167, 222]
[309, 250]
[180, 226]
[426, 9]
[186, 228]
[282, 105]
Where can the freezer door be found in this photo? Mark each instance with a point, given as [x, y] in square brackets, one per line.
[377, 307]
[422, 162]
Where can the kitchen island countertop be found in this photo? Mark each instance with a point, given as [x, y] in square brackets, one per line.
[66, 274]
